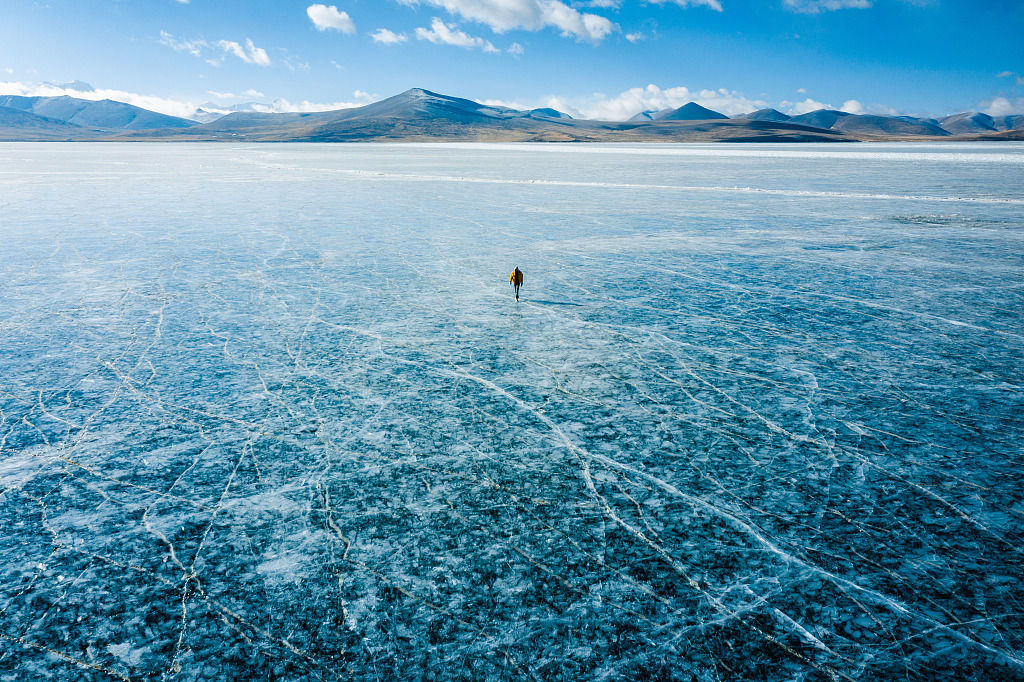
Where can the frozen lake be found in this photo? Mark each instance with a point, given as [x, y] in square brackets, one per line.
[272, 412]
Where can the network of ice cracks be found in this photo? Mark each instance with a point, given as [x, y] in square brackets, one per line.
[284, 420]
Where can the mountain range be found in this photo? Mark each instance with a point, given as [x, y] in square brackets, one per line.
[421, 115]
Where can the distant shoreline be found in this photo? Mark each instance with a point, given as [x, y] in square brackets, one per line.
[419, 115]
[446, 141]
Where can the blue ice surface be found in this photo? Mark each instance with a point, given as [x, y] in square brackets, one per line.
[272, 412]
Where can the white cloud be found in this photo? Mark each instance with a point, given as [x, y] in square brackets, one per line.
[630, 102]
[295, 64]
[249, 54]
[1010, 74]
[852, 106]
[883, 110]
[230, 95]
[652, 98]
[801, 91]
[797, 108]
[728, 102]
[531, 15]
[634, 37]
[442, 34]
[329, 18]
[1002, 106]
[193, 47]
[516, 50]
[713, 4]
[282, 106]
[387, 37]
[816, 6]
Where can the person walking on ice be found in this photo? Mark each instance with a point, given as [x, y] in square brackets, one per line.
[516, 280]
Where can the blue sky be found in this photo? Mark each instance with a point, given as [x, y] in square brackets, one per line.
[596, 58]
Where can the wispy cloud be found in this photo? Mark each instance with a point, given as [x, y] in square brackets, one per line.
[443, 34]
[388, 37]
[193, 47]
[530, 15]
[1018, 79]
[713, 4]
[230, 95]
[248, 53]
[327, 18]
[295, 64]
[817, 6]
[282, 106]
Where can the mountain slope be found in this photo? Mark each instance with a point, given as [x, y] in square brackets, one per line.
[1010, 122]
[18, 125]
[547, 112]
[420, 104]
[422, 115]
[92, 113]
[968, 123]
[821, 118]
[646, 115]
[691, 112]
[419, 114]
[766, 115]
[868, 126]
[903, 126]
[714, 130]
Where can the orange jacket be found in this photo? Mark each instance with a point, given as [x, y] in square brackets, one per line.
[516, 277]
